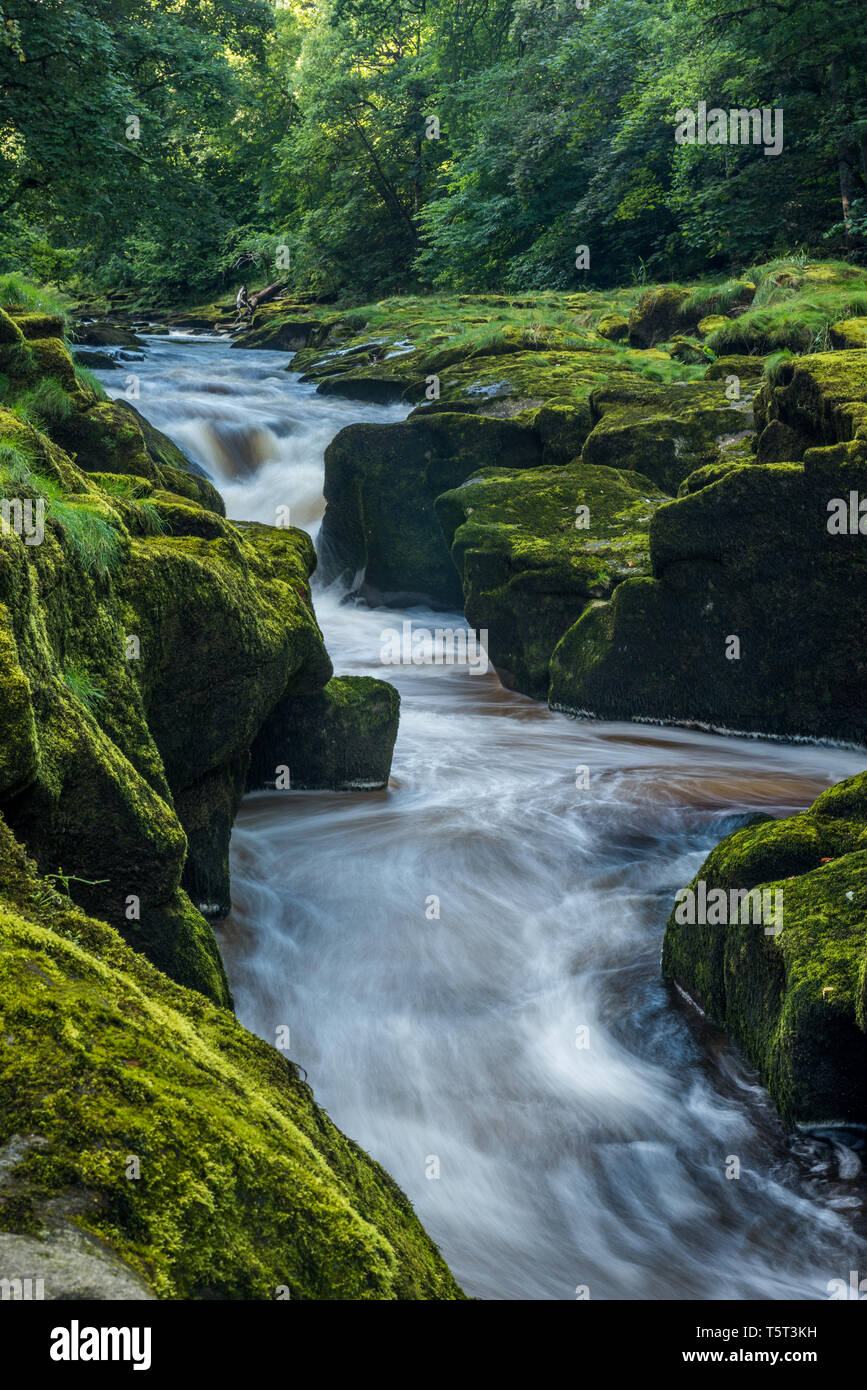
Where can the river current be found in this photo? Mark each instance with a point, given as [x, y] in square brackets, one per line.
[468, 961]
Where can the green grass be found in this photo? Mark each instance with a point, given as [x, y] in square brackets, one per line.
[45, 404]
[91, 536]
[76, 680]
[93, 539]
[18, 293]
[91, 383]
[15, 465]
[132, 491]
[773, 364]
[716, 298]
[794, 307]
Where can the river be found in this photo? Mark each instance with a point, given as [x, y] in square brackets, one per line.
[447, 1045]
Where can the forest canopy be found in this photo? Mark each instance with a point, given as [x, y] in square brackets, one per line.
[369, 147]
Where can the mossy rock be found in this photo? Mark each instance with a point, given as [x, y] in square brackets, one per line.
[40, 325]
[529, 569]
[762, 331]
[106, 334]
[116, 756]
[746, 368]
[245, 1189]
[279, 334]
[688, 350]
[663, 432]
[53, 360]
[614, 327]
[658, 315]
[146, 640]
[113, 437]
[711, 322]
[794, 999]
[822, 400]
[381, 483]
[95, 360]
[849, 333]
[748, 556]
[9, 330]
[510, 384]
[339, 738]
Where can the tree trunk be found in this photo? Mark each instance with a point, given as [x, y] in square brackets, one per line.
[844, 162]
[270, 292]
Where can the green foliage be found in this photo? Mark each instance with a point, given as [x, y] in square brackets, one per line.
[15, 464]
[91, 383]
[18, 293]
[295, 140]
[48, 403]
[77, 680]
[94, 539]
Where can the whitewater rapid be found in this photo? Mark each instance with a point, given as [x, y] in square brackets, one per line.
[446, 1045]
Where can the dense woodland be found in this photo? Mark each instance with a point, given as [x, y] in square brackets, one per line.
[172, 146]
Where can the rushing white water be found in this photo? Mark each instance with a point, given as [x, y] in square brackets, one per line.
[449, 1044]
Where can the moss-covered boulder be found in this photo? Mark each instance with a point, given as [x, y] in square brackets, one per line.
[113, 437]
[822, 400]
[380, 530]
[534, 547]
[792, 994]
[753, 619]
[614, 327]
[658, 315]
[663, 432]
[688, 350]
[40, 325]
[746, 369]
[849, 333]
[280, 332]
[710, 323]
[340, 738]
[106, 334]
[151, 1146]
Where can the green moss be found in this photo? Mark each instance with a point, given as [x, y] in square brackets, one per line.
[339, 738]
[748, 556]
[528, 569]
[613, 327]
[711, 322]
[793, 1000]
[849, 333]
[746, 368]
[664, 432]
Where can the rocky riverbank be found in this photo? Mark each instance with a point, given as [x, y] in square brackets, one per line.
[157, 660]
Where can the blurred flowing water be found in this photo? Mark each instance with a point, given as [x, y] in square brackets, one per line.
[449, 1045]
